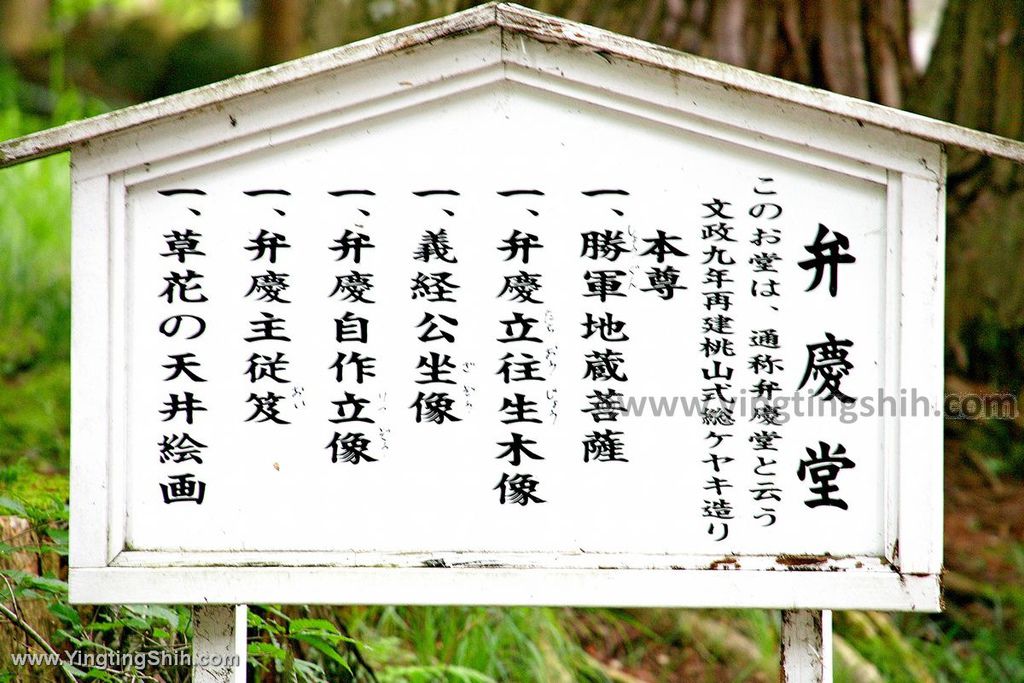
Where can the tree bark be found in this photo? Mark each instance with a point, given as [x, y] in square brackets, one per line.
[17, 532]
[854, 47]
[862, 48]
[976, 78]
[282, 24]
[23, 23]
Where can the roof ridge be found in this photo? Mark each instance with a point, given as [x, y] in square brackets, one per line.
[507, 17]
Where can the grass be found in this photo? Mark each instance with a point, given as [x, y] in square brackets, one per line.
[34, 414]
[35, 300]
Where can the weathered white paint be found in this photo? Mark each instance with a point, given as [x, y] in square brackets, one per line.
[510, 20]
[218, 636]
[504, 59]
[469, 559]
[90, 367]
[794, 588]
[806, 646]
[921, 358]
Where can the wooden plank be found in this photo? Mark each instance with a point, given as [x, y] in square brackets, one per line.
[467, 559]
[507, 586]
[921, 374]
[90, 376]
[117, 457]
[891, 361]
[219, 643]
[806, 646]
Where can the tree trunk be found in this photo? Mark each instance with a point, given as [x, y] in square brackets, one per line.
[854, 47]
[976, 79]
[23, 23]
[282, 24]
[18, 533]
[862, 48]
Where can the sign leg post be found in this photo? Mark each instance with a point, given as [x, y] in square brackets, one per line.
[218, 643]
[806, 646]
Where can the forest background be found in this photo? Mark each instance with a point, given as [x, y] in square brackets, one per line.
[960, 61]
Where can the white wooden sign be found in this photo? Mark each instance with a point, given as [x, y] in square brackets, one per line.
[505, 310]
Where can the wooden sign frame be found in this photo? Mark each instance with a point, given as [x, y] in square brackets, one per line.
[466, 51]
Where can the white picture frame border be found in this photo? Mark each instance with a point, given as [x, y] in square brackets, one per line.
[907, 577]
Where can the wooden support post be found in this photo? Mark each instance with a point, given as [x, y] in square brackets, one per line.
[806, 646]
[218, 643]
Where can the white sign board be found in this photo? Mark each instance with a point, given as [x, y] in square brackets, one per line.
[522, 325]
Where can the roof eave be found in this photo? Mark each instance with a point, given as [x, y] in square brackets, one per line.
[544, 27]
[64, 137]
[513, 18]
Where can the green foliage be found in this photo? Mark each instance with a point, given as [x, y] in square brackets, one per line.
[34, 257]
[198, 14]
[35, 283]
[994, 351]
[39, 498]
[994, 354]
[206, 55]
[34, 416]
[951, 647]
[35, 235]
[129, 56]
[1000, 443]
[415, 644]
[73, 9]
[189, 12]
[145, 56]
[496, 644]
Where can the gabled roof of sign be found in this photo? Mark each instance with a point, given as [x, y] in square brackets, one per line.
[518, 20]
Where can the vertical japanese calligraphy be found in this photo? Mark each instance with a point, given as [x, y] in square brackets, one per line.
[599, 361]
[183, 292]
